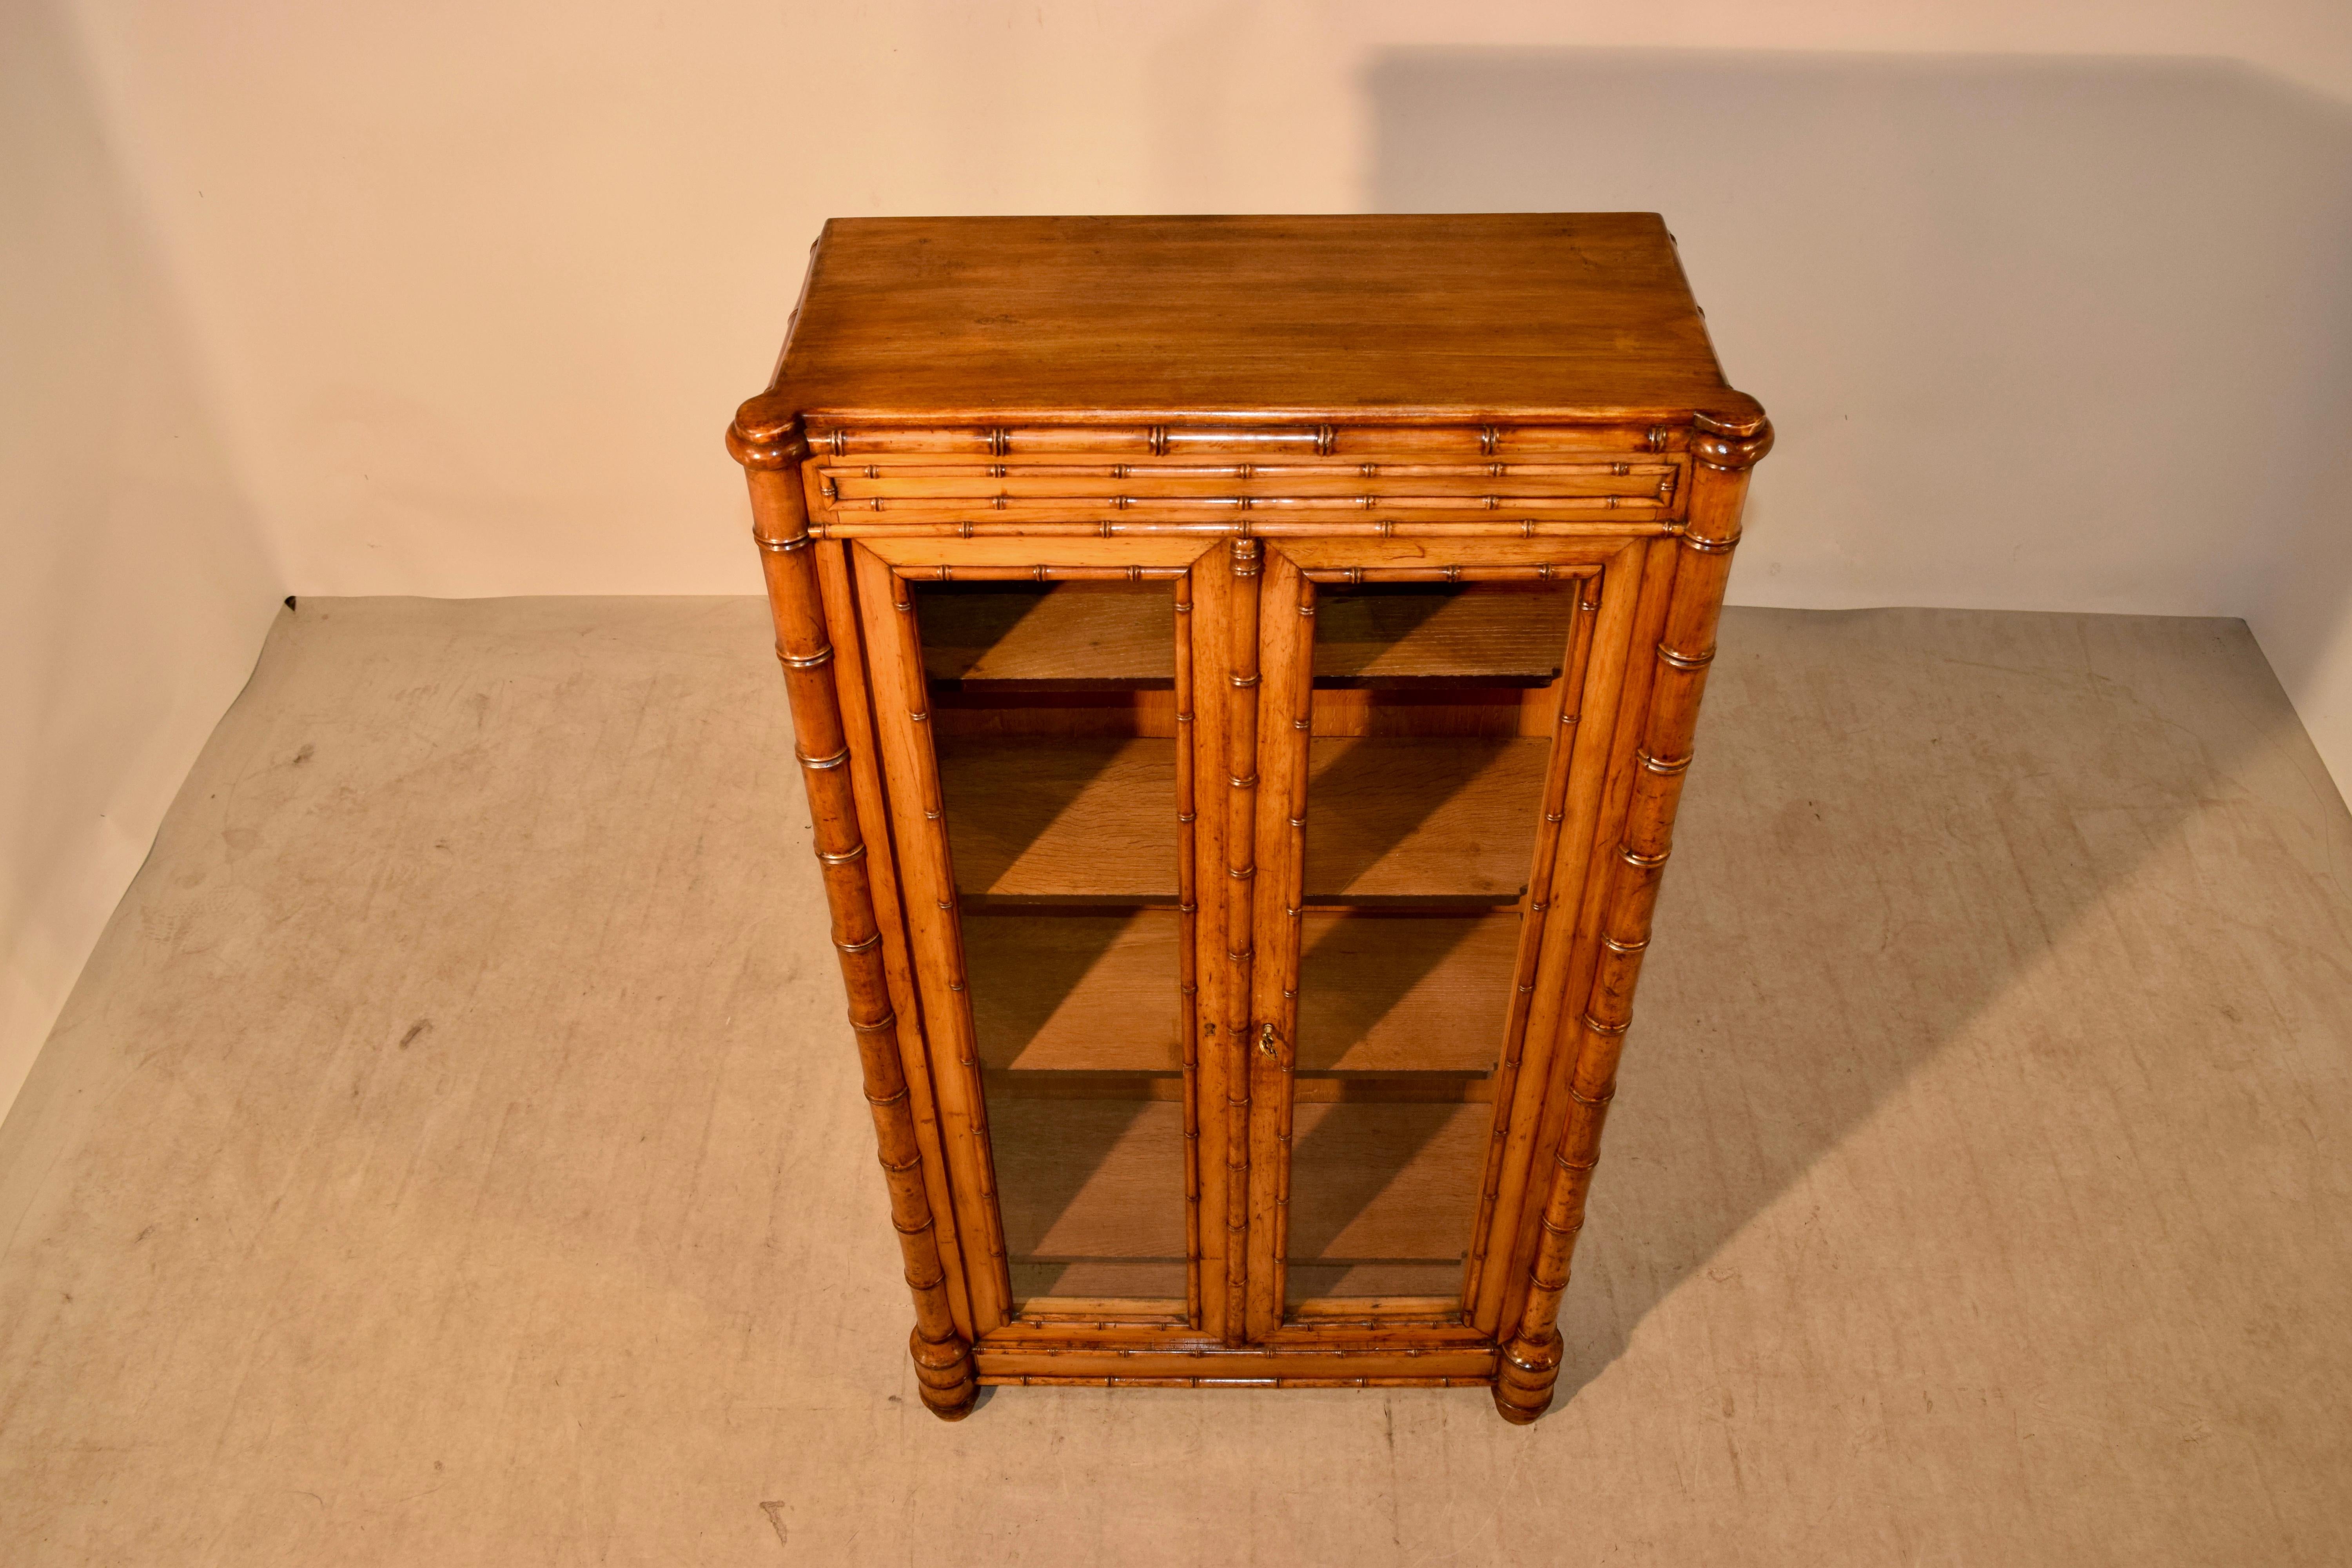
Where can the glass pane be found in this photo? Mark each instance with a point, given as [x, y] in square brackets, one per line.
[1435, 712]
[1053, 709]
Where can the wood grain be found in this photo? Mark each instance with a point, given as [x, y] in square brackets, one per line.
[1316, 318]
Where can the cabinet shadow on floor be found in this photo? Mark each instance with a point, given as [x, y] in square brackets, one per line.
[1966, 824]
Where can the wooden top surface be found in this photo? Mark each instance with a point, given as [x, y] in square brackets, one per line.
[1525, 315]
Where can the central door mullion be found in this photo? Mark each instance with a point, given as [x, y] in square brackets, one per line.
[1286, 617]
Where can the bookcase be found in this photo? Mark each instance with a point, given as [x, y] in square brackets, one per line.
[1243, 671]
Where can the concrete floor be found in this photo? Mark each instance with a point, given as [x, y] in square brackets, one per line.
[453, 1153]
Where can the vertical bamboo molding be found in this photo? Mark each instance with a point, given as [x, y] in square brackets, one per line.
[1241, 875]
[1188, 905]
[1723, 451]
[771, 455]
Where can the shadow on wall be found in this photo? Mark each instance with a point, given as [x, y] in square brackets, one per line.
[2066, 334]
[2038, 334]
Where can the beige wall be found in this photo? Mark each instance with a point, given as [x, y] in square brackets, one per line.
[136, 586]
[2048, 300]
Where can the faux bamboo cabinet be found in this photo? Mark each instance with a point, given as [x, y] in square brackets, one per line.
[1243, 671]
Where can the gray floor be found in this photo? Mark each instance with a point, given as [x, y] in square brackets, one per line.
[454, 1154]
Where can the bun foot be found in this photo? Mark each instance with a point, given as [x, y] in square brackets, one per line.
[1523, 1380]
[944, 1376]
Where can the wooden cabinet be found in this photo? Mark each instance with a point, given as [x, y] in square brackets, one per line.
[1243, 671]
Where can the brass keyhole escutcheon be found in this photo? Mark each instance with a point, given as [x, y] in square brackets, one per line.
[1266, 1046]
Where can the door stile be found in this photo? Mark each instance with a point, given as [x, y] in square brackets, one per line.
[1564, 1002]
[902, 704]
[850, 680]
[1211, 616]
[1187, 959]
[1286, 705]
[1564, 720]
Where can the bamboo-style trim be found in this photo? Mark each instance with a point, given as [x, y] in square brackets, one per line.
[1369, 432]
[943, 1363]
[1188, 934]
[1241, 872]
[1513, 526]
[1536, 906]
[1539, 572]
[945, 574]
[1530, 1362]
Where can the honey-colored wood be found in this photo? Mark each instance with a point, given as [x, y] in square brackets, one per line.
[1240, 938]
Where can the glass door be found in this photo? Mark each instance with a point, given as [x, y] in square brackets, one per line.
[1048, 898]
[1423, 810]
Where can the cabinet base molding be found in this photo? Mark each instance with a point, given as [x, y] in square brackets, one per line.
[1240, 1366]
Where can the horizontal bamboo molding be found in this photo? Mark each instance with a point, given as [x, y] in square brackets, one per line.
[1612, 524]
[828, 440]
[1526, 479]
[945, 574]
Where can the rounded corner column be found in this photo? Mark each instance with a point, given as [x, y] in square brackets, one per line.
[770, 445]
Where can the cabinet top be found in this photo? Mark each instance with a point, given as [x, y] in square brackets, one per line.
[1490, 316]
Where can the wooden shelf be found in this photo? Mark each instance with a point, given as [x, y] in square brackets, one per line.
[1053, 820]
[1094, 996]
[1076, 992]
[1093, 1195]
[1396, 821]
[1477, 636]
[1067, 636]
[1403, 994]
[1382, 1197]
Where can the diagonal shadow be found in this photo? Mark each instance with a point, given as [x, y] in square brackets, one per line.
[1025, 968]
[1366, 794]
[1360, 968]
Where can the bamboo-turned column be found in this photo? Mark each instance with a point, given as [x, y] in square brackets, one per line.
[771, 450]
[1724, 447]
[1241, 874]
